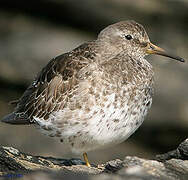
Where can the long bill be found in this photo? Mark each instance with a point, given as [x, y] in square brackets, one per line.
[153, 49]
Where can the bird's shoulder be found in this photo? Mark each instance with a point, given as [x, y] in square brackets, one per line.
[51, 88]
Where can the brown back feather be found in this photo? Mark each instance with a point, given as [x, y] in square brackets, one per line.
[49, 91]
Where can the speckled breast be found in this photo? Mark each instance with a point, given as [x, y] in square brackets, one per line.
[106, 109]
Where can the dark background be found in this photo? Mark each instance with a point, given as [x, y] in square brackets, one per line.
[33, 32]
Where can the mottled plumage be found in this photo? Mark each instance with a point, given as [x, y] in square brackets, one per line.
[95, 96]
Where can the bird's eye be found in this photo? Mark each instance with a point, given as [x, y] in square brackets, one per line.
[128, 37]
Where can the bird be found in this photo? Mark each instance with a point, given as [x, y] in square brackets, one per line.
[96, 95]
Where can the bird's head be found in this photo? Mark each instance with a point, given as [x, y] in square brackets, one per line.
[131, 38]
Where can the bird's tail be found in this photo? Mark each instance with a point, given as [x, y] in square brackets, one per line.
[15, 118]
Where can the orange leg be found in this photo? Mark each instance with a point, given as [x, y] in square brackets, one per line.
[86, 160]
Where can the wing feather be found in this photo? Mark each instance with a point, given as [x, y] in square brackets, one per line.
[50, 90]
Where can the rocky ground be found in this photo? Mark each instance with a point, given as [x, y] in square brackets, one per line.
[169, 166]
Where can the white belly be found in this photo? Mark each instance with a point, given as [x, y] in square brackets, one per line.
[100, 127]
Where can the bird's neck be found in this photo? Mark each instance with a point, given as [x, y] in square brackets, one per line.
[106, 52]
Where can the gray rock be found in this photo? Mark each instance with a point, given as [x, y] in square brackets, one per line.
[170, 166]
[180, 153]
